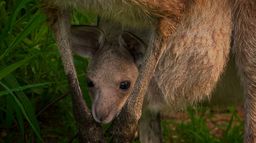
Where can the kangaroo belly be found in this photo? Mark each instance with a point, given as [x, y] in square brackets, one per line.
[118, 10]
[137, 13]
[190, 68]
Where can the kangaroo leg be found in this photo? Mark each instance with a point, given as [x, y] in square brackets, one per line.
[150, 127]
[245, 48]
[89, 131]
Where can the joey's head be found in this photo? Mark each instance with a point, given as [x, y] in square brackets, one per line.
[112, 69]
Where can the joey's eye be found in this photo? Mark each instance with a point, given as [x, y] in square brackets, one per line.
[124, 85]
[90, 83]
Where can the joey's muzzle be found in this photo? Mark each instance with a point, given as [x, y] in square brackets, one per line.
[103, 114]
[106, 108]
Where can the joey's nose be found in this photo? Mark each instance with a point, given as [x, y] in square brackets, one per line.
[100, 117]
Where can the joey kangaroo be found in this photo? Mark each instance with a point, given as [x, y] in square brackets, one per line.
[158, 17]
[193, 37]
[113, 70]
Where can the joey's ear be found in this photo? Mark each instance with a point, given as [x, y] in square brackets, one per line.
[86, 40]
[134, 45]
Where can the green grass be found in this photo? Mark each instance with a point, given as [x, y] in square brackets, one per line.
[31, 74]
[196, 129]
[32, 77]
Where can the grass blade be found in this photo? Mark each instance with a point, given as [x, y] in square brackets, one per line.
[24, 112]
[24, 88]
[35, 22]
[12, 19]
[6, 71]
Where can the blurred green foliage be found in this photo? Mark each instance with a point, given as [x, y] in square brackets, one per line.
[31, 74]
[196, 128]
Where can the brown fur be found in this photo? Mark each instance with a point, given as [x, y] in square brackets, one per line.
[197, 55]
[198, 34]
[132, 14]
[244, 22]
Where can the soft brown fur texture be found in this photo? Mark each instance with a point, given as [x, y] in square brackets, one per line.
[244, 29]
[196, 36]
[197, 54]
[138, 13]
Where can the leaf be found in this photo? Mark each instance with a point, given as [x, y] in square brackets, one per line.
[6, 71]
[35, 22]
[21, 88]
[9, 24]
[21, 103]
